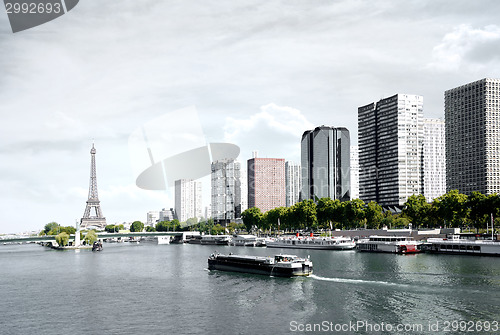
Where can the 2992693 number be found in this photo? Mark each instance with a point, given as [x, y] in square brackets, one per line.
[471, 326]
[33, 8]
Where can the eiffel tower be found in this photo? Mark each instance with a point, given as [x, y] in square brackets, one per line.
[93, 215]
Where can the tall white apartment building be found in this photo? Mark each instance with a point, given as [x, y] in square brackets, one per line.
[226, 191]
[390, 140]
[354, 172]
[434, 159]
[152, 217]
[188, 198]
[472, 114]
[292, 183]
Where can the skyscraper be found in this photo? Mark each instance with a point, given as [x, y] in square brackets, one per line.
[472, 114]
[292, 183]
[266, 183]
[354, 172]
[390, 139]
[187, 199]
[434, 159]
[226, 191]
[325, 161]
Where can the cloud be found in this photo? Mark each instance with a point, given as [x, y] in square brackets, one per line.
[466, 47]
[275, 132]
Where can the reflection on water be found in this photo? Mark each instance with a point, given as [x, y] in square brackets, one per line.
[167, 289]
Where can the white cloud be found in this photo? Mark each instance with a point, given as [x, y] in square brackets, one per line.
[466, 47]
[275, 131]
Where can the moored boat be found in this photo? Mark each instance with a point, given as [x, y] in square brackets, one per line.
[246, 241]
[391, 244]
[279, 265]
[215, 239]
[464, 244]
[325, 243]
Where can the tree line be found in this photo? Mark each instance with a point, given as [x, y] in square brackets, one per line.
[452, 209]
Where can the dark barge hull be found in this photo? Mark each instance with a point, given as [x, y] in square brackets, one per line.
[256, 267]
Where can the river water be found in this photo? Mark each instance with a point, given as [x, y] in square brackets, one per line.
[167, 289]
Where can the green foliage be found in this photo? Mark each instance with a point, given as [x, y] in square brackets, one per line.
[62, 239]
[137, 226]
[305, 215]
[373, 215]
[272, 217]
[452, 208]
[191, 221]
[51, 228]
[417, 210]
[173, 225]
[252, 217]
[354, 212]
[150, 229]
[218, 230]
[90, 237]
[68, 229]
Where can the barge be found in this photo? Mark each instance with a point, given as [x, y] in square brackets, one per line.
[279, 265]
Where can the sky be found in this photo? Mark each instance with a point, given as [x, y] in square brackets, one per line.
[257, 73]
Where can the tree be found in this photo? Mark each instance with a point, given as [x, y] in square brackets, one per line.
[373, 215]
[354, 212]
[304, 214]
[162, 226]
[136, 226]
[252, 217]
[328, 211]
[62, 239]
[90, 237]
[51, 227]
[451, 208]
[417, 210]
[68, 229]
[150, 229]
[271, 218]
[191, 221]
[110, 228]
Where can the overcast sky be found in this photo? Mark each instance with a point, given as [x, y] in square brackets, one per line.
[258, 73]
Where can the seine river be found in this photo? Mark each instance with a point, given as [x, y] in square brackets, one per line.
[167, 289]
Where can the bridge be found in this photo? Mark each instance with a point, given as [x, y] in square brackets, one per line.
[101, 236]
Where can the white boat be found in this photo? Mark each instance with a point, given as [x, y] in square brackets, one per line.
[392, 244]
[164, 239]
[325, 243]
[464, 244]
[215, 239]
[244, 240]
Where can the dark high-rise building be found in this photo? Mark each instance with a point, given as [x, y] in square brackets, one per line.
[390, 140]
[325, 163]
[472, 116]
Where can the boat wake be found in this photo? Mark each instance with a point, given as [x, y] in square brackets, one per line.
[355, 281]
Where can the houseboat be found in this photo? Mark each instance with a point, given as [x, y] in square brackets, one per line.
[279, 265]
[311, 242]
[464, 244]
[391, 244]
[215, 239]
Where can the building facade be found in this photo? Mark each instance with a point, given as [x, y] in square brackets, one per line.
[266, 183]
[472, 114]
[152, 218]
[226, 191]
[390, 140]
[434, 159]
[188, 199]
[292, 183]
[325, 163]
[354, 172]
